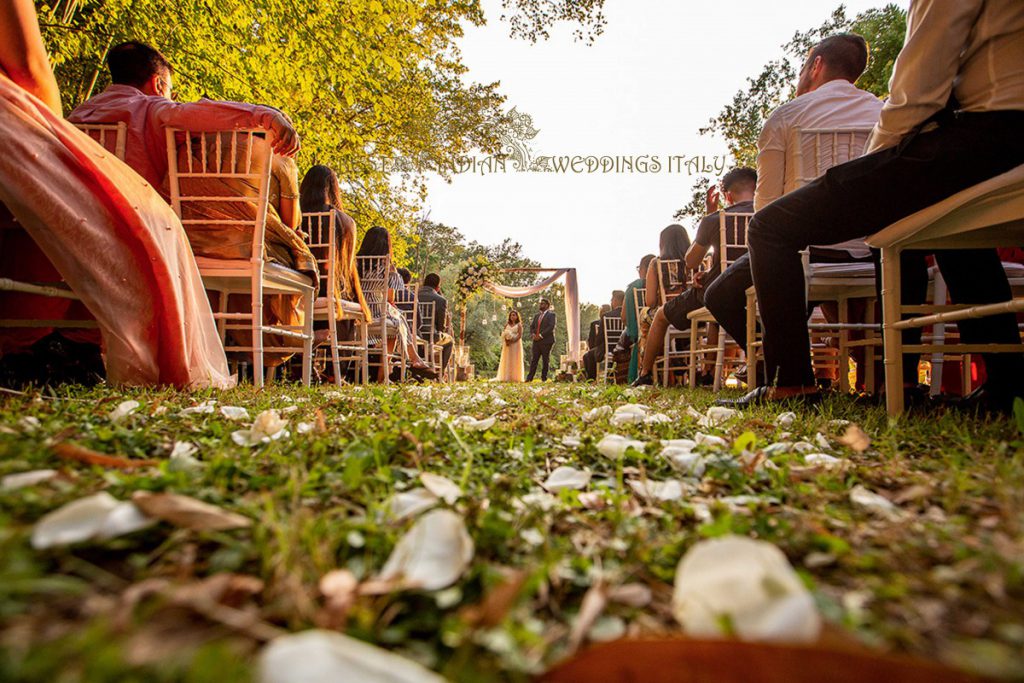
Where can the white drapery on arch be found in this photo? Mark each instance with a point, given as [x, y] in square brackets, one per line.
[572, 301]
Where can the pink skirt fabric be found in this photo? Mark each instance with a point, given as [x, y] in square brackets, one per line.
[116, 243]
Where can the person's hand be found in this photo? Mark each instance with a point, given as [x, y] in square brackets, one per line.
[712, 200]
[698, 279]
[286, 140]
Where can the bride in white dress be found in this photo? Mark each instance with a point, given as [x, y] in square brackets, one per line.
[510, 369]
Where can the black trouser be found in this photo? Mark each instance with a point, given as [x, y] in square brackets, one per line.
[590, 361]
[540, 350]
[863, 196]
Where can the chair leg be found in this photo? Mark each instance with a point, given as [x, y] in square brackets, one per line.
[257, 331]
[751, 340]
[719, 360]
[844, 350]
[364, 352]
[307, 343]
[939, 293]
[869, 350]
[891, 337]
[692, 379]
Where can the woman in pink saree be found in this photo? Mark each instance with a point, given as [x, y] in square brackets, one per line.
[116, 243]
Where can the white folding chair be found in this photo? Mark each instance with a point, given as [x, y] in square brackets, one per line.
[989, 214]
[321, 237]
[428, 336]
[240, 155]
[612, 331]
[732, 227]
[373, 276]
[113, 138]
[671, 276]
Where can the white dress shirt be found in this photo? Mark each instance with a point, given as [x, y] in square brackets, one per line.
[836, 104]
[973, 48]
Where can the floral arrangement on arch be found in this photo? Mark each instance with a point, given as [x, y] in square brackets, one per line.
[473, 276]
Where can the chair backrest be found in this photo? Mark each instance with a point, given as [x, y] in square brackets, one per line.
[373, 275]
[407, 302]
[320, 238]
[425, 313]
[612, 331]
[732, 229]
[819, 149]
[671, 278]
[239, 158]
[112, 136]
[639, 297]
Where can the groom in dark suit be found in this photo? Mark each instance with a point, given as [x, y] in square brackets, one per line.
[542, 331]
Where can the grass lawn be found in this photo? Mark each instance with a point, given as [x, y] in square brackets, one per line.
[939, 574]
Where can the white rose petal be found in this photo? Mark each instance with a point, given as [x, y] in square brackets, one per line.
[432, 555]
[565, 477]
[234, 412]
[615, 446]
[23, 479]
[99, 516]
[748, 584]
[123, 410]
[442, 487]
[662, 491]
[410, 503]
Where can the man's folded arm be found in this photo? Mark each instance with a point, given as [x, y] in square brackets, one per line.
[922, 79]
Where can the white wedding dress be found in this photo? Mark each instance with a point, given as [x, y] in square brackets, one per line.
[510, 369]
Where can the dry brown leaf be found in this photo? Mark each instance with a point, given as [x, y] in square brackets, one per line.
[339, 588]
[187, 512]
[590, 609]
[855, 439]
[321, 422]
[912, 493]
[70, 451]
[495, 605]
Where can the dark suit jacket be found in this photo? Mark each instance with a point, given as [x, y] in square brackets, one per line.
[546, 321]
[440, 308]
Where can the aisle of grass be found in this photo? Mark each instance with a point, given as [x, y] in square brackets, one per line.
[944, 577]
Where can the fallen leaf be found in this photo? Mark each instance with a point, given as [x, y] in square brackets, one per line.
[497, 602]
[855, 439]
[631, 594]
[70, 451]
[593, 604]
[123, 410]
[338, 587]
[875, 504]
[318, 656]
[187, 512]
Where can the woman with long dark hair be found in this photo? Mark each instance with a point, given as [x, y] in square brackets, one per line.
[510, 369]
[377, 242]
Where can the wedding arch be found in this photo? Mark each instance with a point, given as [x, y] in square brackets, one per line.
[486, 276]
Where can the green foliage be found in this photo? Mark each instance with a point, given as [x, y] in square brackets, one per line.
[369, 83]
[531, 19]
[740, 121]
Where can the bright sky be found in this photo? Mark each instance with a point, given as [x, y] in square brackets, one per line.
[661, 69]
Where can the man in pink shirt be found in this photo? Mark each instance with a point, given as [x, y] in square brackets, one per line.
[140, 95]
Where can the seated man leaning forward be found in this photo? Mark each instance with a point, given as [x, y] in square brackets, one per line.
[826, 98]
[738, 186]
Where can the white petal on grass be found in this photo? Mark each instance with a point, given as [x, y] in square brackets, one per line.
[774, 449]
[657, 419]
[532, 537]
[471, 424]
[97, 516]
[786, 420]
[822, 442]
[29, 423]
[234, 412]
[22, 479]
[269, 426]
[538, 499]
[442, 487]
[710, 440]
[597, 413]
[686, 444]
[630, 413]
[615, 446]
[304, 427]
[204, 408]
[565, 477]
[716, 416]
[182, 458]
[657, 491]
[319, 656]
[822, 460]
[123, 410]
[411, 503]
[875, 504]
[571, 441]
[631, 595]
[684, 460]
[432, 555]
[747, 584]
[804, 447]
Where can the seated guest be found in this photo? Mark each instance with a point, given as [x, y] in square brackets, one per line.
[110, 236]
[377, 242]
[320, 192]
[953, 120]
[631, 334]
[826, 98]
[738, 186]
[406, 294]
[140, 95]
[668, 269]
[597, 342]
[431, 291]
